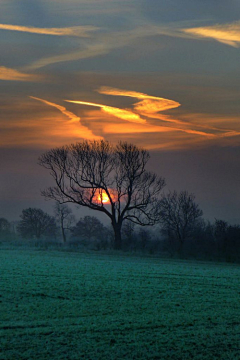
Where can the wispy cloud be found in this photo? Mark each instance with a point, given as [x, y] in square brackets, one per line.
[142, 118]
[9, 74]
[226, 33]
[89, 52]
[123, 114]
[103, 43]
[149, 104]
[79, 31]
[76, 127]
[149, 107]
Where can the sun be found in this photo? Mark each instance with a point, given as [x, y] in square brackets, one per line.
[103, 198]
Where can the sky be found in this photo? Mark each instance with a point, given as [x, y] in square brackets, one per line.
[163, 75]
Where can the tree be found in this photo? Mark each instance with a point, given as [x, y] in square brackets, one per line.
[5, 228]
[106, 178]
[36, 223]
[64, 217]
[178, 215]
[91, 228]
[88, 227]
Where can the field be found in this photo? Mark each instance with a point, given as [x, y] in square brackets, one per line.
[64, 305]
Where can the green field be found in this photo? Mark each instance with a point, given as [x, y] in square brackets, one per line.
[65, 305]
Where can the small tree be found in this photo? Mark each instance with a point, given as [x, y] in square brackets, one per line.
[88, 227]
[105, 178]
[179, 214]
[64, 217]
[5, 228]
[36, 223]
[91, 228]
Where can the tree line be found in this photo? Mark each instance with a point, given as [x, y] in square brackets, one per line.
[114, 180]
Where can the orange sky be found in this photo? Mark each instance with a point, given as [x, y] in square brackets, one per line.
[163, 77]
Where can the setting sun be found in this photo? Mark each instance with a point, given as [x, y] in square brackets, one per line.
[101, 197]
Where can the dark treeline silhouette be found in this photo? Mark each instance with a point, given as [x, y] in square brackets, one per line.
[114, 180]
[218, 241]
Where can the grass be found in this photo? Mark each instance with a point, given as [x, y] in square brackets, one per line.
[59, 305]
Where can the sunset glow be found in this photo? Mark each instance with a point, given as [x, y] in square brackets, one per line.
[101, 197]
[227, 33]
[15, 75]
[119, 113]
[81, 31]
[165, 78]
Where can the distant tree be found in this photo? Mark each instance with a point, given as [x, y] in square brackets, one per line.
[128, 234]
[110, 179]
[179, 214]
[228, 240]
[144, 238]
[36, 223]
[90, 228]
[65, 218]
[5, 228]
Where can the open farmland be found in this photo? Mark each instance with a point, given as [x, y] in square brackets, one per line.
[61, 305]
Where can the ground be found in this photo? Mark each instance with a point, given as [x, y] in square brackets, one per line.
[65, 305]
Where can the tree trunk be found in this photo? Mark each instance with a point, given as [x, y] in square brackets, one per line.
[180, 247]
[64, 236]
[63, 231]
[117, 245]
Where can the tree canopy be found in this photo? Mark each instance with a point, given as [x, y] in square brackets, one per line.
[36, 223]
[178, 215]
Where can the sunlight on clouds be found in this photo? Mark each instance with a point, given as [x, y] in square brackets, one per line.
[79, 31]
[76, 127]
[150, 104]
[123, 114]
[15, 75]
[227, 34]
[150, 107]
[130, 128]
[134, 128]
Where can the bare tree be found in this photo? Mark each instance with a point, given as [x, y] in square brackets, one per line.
[178, 215]
[35, 223]
[89, 227]
[5, 228]
[64, 217]
[110, 179]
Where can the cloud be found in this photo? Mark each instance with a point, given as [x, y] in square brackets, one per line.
[123, 114]
[149, 107]
[90, 51]
[142, 118]
[79, 31]
[149, 104]
[15, 75]
[148, 128]
[104, 42]
[76, 127]
[227, 33]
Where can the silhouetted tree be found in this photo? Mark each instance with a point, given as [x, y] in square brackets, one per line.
[129, 238]
[64, 217]
[90, 228]
[228, 240]
[5, 228]
[36, 223]
[178, 216]
[106, 178]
